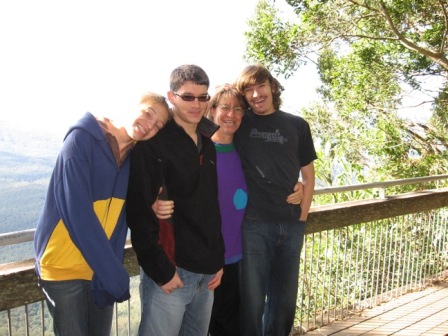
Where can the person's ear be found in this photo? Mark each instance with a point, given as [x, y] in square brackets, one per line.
[170, 96]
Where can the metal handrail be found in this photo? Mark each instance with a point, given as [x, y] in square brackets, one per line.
[24, 236]
[361, 252]
[380, 185]
[17, 237]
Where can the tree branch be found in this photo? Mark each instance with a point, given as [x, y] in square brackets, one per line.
[445, 15]
[356, 3]
[417, 105]
[371, 37]
[436, 57]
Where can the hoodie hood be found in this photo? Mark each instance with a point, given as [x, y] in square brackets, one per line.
[86, 124]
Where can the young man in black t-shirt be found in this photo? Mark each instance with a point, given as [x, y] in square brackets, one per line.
[276, 148]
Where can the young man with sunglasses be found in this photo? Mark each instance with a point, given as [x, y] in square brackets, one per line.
[177, 295]
[275, 149]
[226, 109]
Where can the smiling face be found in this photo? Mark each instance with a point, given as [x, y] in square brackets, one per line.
[259, 97]
[227, 114]
[150, 119]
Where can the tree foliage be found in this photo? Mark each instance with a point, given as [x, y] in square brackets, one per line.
[370, 55]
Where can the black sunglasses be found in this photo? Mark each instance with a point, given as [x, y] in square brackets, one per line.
[189, 98]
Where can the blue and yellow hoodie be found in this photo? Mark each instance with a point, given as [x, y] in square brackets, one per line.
[82, 229]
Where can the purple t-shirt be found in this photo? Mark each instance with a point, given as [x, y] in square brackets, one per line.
[232, 195]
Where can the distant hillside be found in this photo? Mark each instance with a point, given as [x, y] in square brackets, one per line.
[27, 160]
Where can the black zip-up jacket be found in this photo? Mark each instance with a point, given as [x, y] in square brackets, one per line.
[188, 171]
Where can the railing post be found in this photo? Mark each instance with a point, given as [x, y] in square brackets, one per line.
[382, 193]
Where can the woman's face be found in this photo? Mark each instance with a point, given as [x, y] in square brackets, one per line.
[228, 114]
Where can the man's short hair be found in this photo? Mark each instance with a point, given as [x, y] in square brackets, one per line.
[188, 73]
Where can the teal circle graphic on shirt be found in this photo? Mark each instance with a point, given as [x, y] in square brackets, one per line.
[240, 199]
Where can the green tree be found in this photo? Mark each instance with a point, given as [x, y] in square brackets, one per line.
[370, 55]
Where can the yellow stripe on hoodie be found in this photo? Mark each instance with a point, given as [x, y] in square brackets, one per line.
[62, 260]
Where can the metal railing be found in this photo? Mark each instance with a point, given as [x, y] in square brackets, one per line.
[348, 269]
[24, 236]
[380, 185]
[356, 254]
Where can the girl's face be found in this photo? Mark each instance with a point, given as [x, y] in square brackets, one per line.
[148, 122]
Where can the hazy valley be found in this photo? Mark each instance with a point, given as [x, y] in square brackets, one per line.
[27, 160]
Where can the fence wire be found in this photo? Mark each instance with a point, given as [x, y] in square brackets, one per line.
[346, 270]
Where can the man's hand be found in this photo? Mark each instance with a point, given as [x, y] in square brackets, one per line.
[216, 281]
[297, 195]
[175, 283]
[163, 208]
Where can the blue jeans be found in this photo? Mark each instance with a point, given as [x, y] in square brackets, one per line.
[269, 276]
[184, 312]
[73, 311]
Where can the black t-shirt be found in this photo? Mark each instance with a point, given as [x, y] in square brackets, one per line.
[273, 148]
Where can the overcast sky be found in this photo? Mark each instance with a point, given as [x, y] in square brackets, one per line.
[59, 59]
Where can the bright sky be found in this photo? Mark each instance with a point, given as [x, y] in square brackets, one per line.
[59, 59]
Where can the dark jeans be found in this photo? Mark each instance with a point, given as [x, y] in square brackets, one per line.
[225, 320]
[269, 276]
